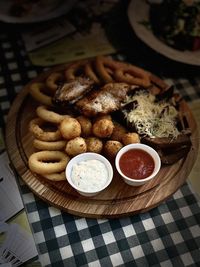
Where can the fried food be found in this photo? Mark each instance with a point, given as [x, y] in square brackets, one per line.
[56, 177]
[45, 113]
[111, 148]
[133, 75]
[94, 144]
[86, 125]
[38, 92]
[100, 117]
[103, 128]
[90, 72]
[70, 92]
[104, 101]
[93, 92]
[75, 70]
[105, 68]
[130, 138]
[48, 162]
[76, 146]
[54, 80]
[118, 132]
[52, 145]
[70, 128]
[35, 127]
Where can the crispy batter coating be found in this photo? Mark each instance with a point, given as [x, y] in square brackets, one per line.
[70, 128]
[103, 128]
[94, 144]
[130, 138]
[76, 146]
[111, 148]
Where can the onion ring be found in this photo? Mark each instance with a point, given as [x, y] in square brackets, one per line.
[89, 72]
[39, 133]
[48, 115]
[56, 177]
[53, 79]
[48, 162]
[53, 145]
[105, 66]
[71, 71]
[36, 91]
[133, 75]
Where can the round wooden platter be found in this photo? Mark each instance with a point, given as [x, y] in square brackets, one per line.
[119, 199]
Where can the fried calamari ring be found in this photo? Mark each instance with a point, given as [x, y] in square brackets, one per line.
[48, 115]
[48, 162]
[133, 75]
[73, 70]
[53, 145]
[37, 92]
[53, 80]
[89, 72]
[105, 67]
[35, 128]
[56, 177]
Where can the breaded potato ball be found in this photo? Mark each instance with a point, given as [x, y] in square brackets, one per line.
[70, 128]
[118, 132]
[100, 117]
[86, 125]
[94, 144]
[103, 128]
[130, 138]
[111, 148]
[76, 146]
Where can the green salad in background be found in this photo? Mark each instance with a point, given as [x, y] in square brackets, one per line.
[176, 22]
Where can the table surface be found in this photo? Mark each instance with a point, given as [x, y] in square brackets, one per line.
[168, 235]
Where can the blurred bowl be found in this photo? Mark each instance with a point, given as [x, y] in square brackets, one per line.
[95, 173]
[150, 167]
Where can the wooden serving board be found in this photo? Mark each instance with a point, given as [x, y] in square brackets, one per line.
[119, 199]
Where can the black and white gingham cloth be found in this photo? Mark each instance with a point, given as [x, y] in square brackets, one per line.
[166, 236]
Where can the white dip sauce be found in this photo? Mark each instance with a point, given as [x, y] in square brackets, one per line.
[89, 175]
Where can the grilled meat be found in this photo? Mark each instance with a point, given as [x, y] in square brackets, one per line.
[169, 150]
[106, 100]
[160, 122]
[172, 156]
[167, 143]
[70, 92]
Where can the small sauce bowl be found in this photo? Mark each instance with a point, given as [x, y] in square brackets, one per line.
[87, 165]
[137, 164]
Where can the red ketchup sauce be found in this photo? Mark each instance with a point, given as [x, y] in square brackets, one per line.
[136, 164]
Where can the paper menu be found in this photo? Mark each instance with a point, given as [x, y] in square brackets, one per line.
[47, 33]
[10, 198]
[81, 33]
[18, 244]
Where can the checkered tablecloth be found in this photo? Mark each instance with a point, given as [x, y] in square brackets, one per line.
[168, 235]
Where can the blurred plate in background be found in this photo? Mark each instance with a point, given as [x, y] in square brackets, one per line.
[138, 14]
[33, 11]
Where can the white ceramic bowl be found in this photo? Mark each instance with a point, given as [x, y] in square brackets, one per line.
[84, 157]
[148, 149]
